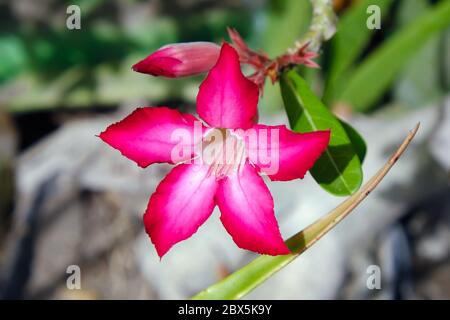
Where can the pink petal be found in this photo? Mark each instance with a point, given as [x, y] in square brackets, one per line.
[283, 154]
[247, 212]
[180, 59]
[181, 204]
[227, 99]
[149, 135]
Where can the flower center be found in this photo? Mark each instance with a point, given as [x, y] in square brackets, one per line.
[223, 151]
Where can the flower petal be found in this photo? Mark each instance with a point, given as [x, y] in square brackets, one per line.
[180, 205]
[152, 134]
[283, 154]
[247, 212]
[227, 99]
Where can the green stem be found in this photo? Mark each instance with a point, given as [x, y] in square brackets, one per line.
[322, 28]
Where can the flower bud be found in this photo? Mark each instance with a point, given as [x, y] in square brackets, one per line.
[180, 59]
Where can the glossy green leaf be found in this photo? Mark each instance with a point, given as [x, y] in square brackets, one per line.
[241, 282]
[351, 38]
[285, 22]
[373, 77]
[356, 139]
[338, 170]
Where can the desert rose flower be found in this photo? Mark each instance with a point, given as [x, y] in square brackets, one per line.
[180, 59]
[228, 177]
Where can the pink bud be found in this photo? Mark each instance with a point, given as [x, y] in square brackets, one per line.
[180, 59]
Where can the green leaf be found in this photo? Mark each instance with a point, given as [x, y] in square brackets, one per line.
[241, 282]
[356, 139]
[338, 170]
[351, 38]
[372, 78]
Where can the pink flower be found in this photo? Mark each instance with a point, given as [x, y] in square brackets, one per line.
[180, 59]
[185, 198]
